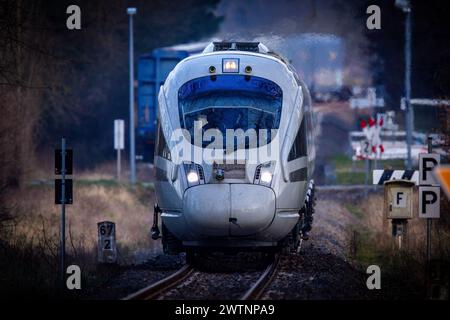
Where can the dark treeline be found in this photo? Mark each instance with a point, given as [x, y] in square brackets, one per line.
[55, 81]
[430, 49]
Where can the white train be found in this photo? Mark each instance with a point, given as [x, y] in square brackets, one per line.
[235, 153]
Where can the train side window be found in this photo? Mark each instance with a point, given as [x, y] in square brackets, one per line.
[298, 148]
[162, 149]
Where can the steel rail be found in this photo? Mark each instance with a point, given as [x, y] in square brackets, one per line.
[256, 291]
[156, 289]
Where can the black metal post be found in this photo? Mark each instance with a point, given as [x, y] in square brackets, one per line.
[429, 220]
[63, 210]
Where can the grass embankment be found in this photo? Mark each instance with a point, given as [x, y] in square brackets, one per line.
[29, 242]
[371, 243]
[349, 172]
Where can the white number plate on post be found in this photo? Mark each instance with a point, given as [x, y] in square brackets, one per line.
[107, 250]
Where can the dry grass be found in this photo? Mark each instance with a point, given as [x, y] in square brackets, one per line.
[404, 270]
[415, 240]
[29, 242]
[38, 217]
[353, 224]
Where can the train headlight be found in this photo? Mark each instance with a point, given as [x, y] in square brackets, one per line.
[230, 65]
[192, 177]
[194, 174]
[264, 173]
[266, 177]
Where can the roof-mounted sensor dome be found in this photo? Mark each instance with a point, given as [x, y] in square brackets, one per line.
[236, 46]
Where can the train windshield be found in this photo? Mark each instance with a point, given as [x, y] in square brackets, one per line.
[230, 102]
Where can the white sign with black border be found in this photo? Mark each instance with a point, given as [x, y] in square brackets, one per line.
[427, 162]
[119, 134]
[429, 202]
[107, 250]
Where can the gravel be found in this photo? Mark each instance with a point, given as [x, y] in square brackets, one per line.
[317, 274]
[129, 279]
[220, 285]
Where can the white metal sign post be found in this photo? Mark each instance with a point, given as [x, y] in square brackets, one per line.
[429, 191]
[372, 147]
[119, 142]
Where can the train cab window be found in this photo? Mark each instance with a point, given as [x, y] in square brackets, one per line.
[298, 149]
[230, 102]
[162, 149]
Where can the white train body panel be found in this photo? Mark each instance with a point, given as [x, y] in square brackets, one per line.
[235, 212]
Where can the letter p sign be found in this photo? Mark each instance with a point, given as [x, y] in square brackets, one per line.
[429, 202]
[427, 162]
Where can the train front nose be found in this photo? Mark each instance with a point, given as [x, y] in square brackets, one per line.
[223, 210]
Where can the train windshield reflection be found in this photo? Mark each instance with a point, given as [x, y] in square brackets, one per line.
[230, 102]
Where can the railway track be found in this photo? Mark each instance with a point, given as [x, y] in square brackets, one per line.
[157, 289]
[257, 289]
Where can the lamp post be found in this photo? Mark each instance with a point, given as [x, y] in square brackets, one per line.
[131, 12]
[406, 7]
